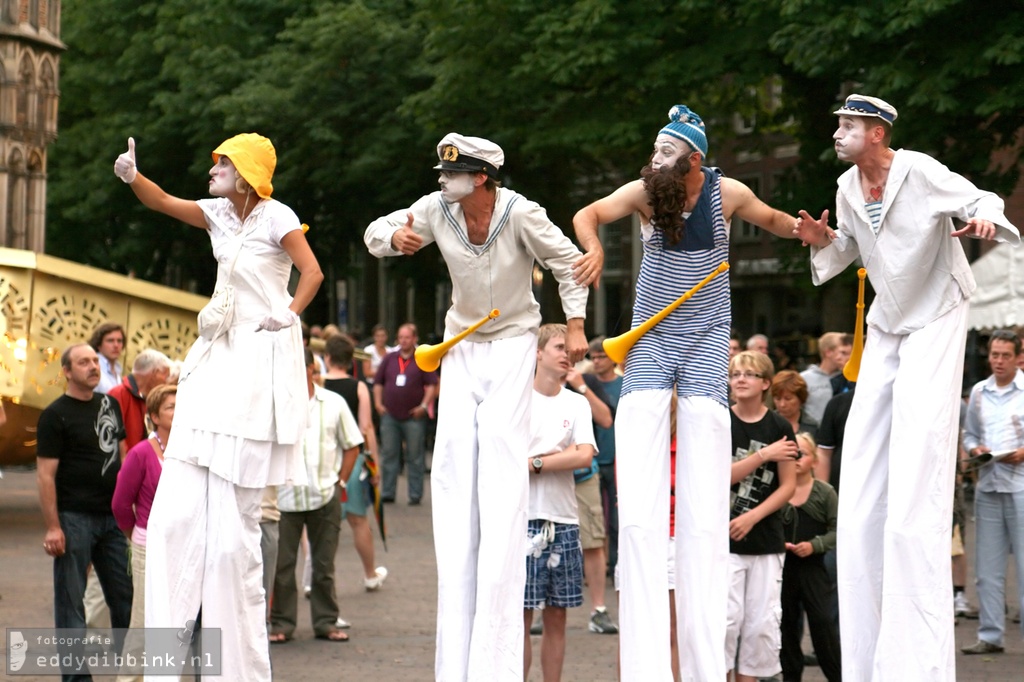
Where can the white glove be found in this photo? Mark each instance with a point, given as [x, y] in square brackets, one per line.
[278, 320]
[124, 166]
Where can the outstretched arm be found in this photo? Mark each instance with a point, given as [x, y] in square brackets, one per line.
[150, 194]
[739, 200]
[628, 199]
[814, 232]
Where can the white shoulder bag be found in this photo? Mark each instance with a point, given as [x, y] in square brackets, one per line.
[216, 316]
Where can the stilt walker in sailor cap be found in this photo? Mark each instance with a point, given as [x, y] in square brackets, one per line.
[899, 212]
[490, 237]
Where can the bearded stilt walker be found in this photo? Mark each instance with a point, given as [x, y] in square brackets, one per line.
[685, 210]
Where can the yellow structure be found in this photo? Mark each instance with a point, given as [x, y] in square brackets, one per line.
[48, 304]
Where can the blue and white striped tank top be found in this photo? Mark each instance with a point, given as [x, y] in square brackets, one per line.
[690, 346]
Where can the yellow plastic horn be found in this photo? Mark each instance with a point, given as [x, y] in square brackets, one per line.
[428, 358]
[617, 347]
[852, 367]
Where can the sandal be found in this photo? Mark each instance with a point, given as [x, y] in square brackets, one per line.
[334, 635]
[278, 638]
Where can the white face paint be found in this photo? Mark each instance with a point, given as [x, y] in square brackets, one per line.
[668, 151]
[851, 138]
[222, 178]
[455, 186]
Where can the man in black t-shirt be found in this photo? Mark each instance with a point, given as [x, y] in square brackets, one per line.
[79, 453]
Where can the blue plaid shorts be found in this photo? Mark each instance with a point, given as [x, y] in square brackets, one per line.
[560, 584]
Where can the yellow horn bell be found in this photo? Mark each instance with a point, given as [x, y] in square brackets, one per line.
[428, 357]
[852, 367]
[618, 347]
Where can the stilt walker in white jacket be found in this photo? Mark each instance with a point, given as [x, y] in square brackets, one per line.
[899, 212]
[490, 237]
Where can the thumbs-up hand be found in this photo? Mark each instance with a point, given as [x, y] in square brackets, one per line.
[124, 166]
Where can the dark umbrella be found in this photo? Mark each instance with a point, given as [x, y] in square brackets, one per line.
[372, 492]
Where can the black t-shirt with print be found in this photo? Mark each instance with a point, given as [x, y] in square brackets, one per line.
[85, 436]
[767, 536]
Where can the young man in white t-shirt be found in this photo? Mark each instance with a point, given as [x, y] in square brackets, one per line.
[562, 439]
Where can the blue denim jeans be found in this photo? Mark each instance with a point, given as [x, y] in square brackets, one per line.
[96, 539]
[610, 500]
[392, 433]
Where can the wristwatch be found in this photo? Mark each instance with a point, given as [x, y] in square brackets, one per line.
[583, 389]
[538, 463]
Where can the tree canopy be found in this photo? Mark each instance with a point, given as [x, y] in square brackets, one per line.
[355, 95]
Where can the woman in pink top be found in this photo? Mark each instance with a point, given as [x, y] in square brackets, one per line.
[136, 487]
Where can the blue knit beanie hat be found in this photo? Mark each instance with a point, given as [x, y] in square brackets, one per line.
[687, 126]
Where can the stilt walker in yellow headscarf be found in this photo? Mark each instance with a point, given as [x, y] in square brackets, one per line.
[241, 409]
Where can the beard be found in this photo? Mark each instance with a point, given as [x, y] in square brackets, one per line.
[666, 193]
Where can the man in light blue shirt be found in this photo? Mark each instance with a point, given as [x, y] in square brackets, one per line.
[108, 342]
[995, 424]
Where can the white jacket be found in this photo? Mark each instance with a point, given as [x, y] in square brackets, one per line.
[497, 274]
[917, 270]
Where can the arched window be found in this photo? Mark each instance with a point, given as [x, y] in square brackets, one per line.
[17, 194]
[47, 106]
[51, 20]
[53, 16]
[35, 211]
[24, 115]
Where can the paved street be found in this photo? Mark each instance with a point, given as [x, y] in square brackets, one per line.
[393, 630]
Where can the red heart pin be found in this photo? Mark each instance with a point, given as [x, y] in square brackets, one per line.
[876, 193]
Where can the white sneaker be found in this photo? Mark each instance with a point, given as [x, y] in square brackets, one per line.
[962, 608]
[342, 624]
[373, 584]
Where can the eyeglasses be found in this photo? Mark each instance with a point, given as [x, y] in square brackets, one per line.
[745, 375]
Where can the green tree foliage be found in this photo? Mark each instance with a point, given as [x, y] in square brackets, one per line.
[151, 70]
[355, 95]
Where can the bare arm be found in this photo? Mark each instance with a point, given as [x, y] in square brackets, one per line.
[429, 393]
[739, 200]
[823, 470]
[601, 413]
[348, 462]
[626, 200]
[46, 479]
[365, 419]
[782, 450]
[572, 458]
[741, 526]
[151, 196]
[310, 275]
[378, 398]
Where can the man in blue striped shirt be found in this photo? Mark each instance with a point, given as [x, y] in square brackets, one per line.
[685, 210]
